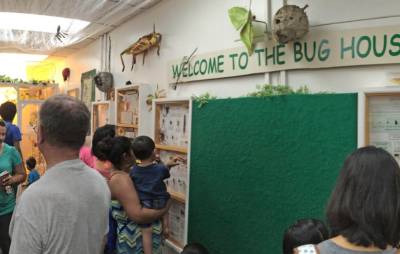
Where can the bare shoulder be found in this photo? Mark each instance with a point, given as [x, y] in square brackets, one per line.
[119, 179]
[120, 184]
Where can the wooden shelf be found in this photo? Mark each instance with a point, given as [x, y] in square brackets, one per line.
[127, 125]
[172, 148]
[128, 88]
[177, 196]
[175, 242]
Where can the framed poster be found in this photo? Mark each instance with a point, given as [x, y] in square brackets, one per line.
[88, 88]
[379, 119]
[74, 93]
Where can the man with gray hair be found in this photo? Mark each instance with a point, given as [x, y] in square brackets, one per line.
[66, 211]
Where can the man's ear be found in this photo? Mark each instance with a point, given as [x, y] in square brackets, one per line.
[40, 136]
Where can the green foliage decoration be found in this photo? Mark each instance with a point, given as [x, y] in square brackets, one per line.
[5, 78]
[270, 90]
[203, 99]
[240, 17]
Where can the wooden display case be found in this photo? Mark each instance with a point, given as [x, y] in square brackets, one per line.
[28, 98]
[102, 113]
[132, 110]
[171, 133]
[379, 119]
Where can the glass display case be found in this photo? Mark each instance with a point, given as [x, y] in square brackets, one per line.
[132, 109]
[172, 128]
[128, 107]
[102, 114]
[28, 98]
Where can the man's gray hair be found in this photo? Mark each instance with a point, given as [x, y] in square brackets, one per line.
[65, 121]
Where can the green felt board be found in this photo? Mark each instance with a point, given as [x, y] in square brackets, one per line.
[257, 165]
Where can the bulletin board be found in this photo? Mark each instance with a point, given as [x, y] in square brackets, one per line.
[258, 165]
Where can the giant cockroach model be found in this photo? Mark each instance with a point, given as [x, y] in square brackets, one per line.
[142, 46]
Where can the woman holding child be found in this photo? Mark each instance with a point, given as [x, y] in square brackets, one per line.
[126, 207]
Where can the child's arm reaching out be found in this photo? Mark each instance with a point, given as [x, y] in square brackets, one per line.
[173, 162]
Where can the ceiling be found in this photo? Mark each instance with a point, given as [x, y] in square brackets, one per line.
[105, 17]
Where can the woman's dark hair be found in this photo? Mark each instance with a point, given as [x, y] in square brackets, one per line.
[113, 149]
[364, 206]
[2, 123]
[194, 248]
[31, 162]
[100, 134]
[8, 110]
[306, 231]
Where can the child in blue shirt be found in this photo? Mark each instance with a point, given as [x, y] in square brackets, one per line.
[148, 178]
[33, 174]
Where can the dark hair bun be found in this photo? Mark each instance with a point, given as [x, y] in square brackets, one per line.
[104, 148]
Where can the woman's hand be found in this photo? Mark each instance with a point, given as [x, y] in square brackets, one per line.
[7, 181]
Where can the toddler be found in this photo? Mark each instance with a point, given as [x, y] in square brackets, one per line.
[194, 248]
[33, 174]
[302, 232]
[149, 183]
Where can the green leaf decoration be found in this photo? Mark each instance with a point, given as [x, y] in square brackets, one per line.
[239, 17]
[247, 33]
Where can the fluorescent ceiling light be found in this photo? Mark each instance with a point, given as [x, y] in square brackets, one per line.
[21, 57]
[39, 23]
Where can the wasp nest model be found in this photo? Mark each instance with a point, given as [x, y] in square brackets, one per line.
[290, 23]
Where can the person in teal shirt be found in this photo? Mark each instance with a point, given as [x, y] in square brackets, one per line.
[33, 173]
[10, 161]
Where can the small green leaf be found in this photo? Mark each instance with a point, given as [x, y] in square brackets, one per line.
[247, 34]
[239, 16]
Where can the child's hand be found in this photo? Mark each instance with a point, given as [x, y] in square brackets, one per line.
[174, 161]
[158, 159]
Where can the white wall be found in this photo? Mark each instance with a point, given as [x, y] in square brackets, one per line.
[205, 24]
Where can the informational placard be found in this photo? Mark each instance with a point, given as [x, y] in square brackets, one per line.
[384, 123]
[179, 174]
[174, 121]
[177, 220]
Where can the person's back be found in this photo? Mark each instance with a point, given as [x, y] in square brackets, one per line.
[70, 193]
[363, 211]
[329, 247]
[66, 211]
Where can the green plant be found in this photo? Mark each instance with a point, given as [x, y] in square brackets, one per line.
[203, 99]
[270, 90]
[241, 17]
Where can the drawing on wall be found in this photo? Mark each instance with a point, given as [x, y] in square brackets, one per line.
[88, 87]
[173, 125]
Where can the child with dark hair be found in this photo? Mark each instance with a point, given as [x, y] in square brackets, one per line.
[306, 231]
[33, 174]
[148, 178]
[194, 248]
[8, 110]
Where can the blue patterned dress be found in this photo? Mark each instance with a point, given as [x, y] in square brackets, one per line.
[130, 238]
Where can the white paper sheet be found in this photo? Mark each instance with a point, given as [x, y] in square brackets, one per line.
[126, 117]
